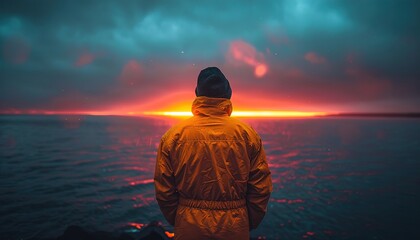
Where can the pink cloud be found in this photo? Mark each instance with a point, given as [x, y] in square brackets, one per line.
[131, 73]
[241, 52]
[84, 59]
[314, 58]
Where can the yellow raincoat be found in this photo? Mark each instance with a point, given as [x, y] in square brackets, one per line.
[212, 179]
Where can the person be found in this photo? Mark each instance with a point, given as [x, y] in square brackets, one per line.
[212, 179]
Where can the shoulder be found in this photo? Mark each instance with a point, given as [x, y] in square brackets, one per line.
[246, 129]
[243, 125]
[174, 132]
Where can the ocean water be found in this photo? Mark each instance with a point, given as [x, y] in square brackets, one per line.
[334, 178]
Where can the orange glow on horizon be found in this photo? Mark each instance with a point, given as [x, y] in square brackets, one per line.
[178, 113]
[179, 105]
[258, 114]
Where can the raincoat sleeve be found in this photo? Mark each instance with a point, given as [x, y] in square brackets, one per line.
[165, 188]
[259, 187]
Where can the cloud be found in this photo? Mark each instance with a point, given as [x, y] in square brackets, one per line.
[116, 54]
[85, 59]
[131, 73]
[241, 52]
[314, 58]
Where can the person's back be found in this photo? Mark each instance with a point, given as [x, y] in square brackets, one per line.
[212, 179]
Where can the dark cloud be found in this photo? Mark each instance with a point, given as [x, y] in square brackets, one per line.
[320, 53]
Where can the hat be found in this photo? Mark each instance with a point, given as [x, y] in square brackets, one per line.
[212, 83]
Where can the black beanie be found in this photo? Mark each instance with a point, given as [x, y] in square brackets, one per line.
[212, 83]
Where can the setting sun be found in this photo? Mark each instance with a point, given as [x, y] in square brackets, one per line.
[258, 114]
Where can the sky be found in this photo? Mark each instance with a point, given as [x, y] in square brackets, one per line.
[133, 56]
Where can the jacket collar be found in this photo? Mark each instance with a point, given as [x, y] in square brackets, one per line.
[206, 106]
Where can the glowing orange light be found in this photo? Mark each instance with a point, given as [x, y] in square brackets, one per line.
[75, 117]
[146, 181]
[276, 114]
[169, 234]
[260, 70]
[136, 225]
[265, 114]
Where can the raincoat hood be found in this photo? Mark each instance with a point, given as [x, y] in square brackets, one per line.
[206, 106]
